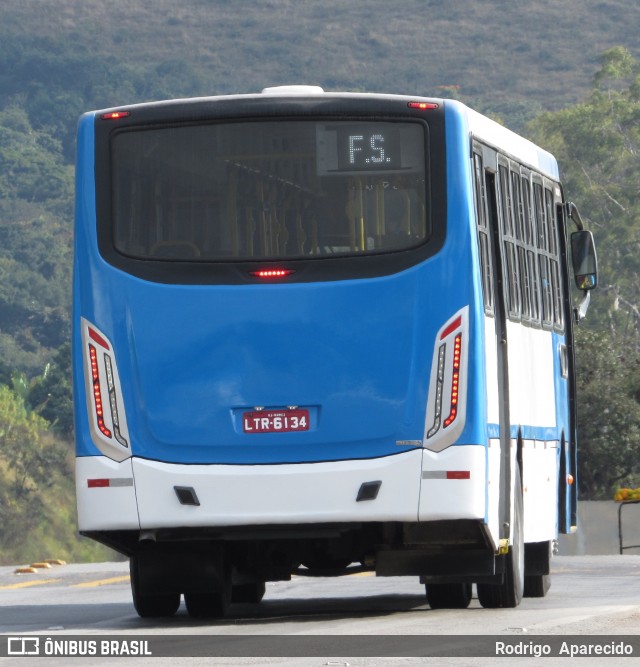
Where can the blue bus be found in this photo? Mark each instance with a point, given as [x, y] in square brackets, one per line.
[316, 332]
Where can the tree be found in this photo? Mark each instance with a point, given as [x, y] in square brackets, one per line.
[609, 416]
[29, 460]
[598, 147]
[51, 395]
[30, 161]
[35, 243]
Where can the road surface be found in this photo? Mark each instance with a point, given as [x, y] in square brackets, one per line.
[590, 595]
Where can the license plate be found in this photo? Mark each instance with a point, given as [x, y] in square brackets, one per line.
[275, 421]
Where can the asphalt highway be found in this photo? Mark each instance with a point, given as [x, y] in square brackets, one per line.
[589, 596]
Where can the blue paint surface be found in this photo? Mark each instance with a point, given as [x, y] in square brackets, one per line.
[356, 353]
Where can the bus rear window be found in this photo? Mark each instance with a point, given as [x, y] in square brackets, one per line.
[280, 189]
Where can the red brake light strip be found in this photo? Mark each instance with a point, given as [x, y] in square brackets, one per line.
[455, 381]
[95, 336]
[97, 394]
[115, 115]
[423, 106]
[272, 273]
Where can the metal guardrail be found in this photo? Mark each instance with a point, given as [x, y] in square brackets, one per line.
[629, 546]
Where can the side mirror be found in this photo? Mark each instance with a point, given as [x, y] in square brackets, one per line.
[585, 268]
[585, 262]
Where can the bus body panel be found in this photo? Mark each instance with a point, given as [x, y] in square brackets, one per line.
[560, 382]
[106, 494]
[540, 489]
[275, 347]
[536, 418]
[194, 358]
[283, 494]
[493, 490]
[259, 352]
[531, 383]
[454, 484]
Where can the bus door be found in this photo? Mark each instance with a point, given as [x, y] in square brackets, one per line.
[494, 266]
[567, 472]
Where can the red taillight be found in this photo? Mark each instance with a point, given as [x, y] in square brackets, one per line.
[451, 328]
[95, 336]
[115, 115]
[446, 403]
[97, 394]
[107, 418]
[455, 381]
[423, 106]
[109, 482]
[272, 273]
[458, 474]
[97, 483]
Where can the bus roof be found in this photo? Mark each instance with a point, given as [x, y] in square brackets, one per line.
[481, 127]
[490, 132]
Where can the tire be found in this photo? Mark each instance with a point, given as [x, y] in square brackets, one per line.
[537, 561]
[151, 606]
[248, 593]
[536, 585]
[213, 604]
[448, 596]
[206, 605]
[509, 593]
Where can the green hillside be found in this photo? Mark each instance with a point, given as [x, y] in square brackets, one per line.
[505, 56]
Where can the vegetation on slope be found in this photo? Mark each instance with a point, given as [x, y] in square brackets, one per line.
[598, 145]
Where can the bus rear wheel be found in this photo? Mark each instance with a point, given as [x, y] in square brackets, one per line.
[151, 605]
[248, 593]
[537, 559]
[448, 596]
[210, 603]
[536, 585]
[206, 605]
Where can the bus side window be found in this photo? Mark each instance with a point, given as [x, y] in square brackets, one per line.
[483, 233]
[530, 245]
[554, 260]
[510, 255]
[520, 233]
[546, 289]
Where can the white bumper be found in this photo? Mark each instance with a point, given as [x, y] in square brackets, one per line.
[233, 495]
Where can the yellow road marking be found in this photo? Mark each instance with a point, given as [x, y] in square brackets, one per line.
[102, 582]
[26, 584]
